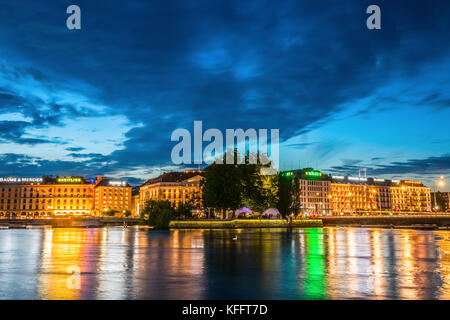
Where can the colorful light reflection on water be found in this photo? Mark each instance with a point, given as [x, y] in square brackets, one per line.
[312, 263]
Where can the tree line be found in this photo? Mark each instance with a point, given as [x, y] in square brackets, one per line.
[228, 187]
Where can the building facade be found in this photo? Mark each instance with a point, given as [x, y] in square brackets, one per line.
[411, 196]
[48, 196]
[135, 204]
[111, 196]
[440, 201]
[175, 187]
[314, 190]
[351, 195]
[349, 198]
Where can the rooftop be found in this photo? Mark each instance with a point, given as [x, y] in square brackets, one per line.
[174, 176]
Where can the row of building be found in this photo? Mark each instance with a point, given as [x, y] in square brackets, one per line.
[77, 196]
[319, 194]
[338, 195]
[63, 196]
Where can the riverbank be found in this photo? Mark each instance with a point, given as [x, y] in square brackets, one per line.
[243, 223]
[401, 222]
[73, 222]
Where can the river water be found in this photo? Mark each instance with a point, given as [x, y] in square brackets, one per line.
[310, 263]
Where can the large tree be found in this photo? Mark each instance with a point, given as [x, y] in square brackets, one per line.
[158, 213]
[222, 187]
[230, 186]
[288, 195]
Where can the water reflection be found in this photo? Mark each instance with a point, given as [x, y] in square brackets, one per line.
[312, 263]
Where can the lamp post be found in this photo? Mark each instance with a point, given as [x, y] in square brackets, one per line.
[439, 183]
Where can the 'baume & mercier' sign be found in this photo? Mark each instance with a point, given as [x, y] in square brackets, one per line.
[16, 179]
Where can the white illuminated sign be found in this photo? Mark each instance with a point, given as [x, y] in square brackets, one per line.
[117, 183]
[17, 180]
[357, 179]
[338, 177]
[379, 180]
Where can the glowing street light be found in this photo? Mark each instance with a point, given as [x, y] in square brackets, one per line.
[439, 183]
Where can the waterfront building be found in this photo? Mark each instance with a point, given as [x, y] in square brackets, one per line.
[65, 196]
[175, 187]
[349, 198]
[135, 204]
[440, 198]
[40, 197]
[111, 196]
[371, 195]
[314, 190]
[60, 196]
[351, 195]
[411, 196]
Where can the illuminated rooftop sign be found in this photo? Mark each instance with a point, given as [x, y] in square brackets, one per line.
[357, 179]
[69, 180]
[313, 173]
[287, 174]
[117, 183]
[20, 180]
[412, 182]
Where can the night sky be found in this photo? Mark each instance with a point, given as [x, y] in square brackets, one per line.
[105, 99]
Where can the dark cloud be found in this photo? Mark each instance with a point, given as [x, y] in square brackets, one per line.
[23, 165]
[93, 158]
[431, 165]
[248, 64]
[409, 168]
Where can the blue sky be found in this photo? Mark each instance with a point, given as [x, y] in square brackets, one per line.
[105, 99]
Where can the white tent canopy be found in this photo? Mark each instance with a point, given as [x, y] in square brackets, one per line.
[272, 213]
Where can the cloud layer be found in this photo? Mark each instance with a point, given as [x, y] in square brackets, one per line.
[136, 71]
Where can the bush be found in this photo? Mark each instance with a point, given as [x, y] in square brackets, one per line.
[159, 213]
[127, 213]
[110, 213]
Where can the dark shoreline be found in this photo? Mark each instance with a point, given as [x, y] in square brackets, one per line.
[391, 222]
[77, 222]
[397, 222]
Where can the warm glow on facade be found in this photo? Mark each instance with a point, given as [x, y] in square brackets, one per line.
[411, 196]
[68, 196]
[352, 198]
[175, 187]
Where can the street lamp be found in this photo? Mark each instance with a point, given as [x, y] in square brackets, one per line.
[439, 183]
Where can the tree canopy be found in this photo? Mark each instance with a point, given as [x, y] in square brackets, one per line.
[231, 186]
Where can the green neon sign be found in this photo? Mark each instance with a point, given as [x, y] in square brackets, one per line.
[313, 174]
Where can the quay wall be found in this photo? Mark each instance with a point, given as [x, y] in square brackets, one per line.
[420, 221]
[241, 223]
[69, 222]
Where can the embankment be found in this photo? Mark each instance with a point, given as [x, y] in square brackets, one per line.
[76, 222]
[241, 223]
[417, 222]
